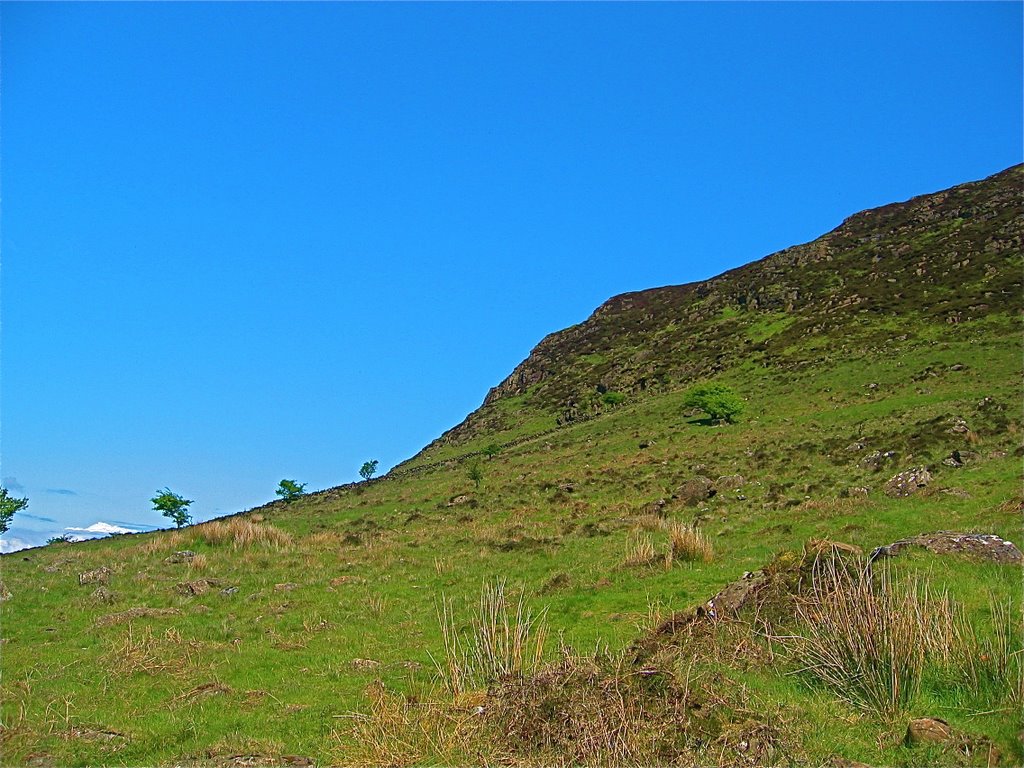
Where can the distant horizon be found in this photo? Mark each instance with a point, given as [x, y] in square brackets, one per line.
[244, 242]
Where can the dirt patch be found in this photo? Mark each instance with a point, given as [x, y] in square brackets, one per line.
[135, 613]
[203, 691]
[977, 546]
[93, 734]
[197, 587]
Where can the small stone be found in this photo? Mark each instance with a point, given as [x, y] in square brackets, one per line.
[287, 586]
[927, 730]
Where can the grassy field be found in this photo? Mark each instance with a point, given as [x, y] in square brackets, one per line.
[310, 630]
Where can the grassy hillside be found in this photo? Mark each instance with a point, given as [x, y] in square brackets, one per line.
[316, 631]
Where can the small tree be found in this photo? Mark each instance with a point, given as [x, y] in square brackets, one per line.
[613, 398]
[9, 505]
[289, 490]
[492, 450]
[173, 506]
[368, 469]
[717, 400]
[476, 474]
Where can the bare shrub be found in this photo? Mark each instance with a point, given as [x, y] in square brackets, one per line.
[867, 639]
[504, 638]
[242, 532]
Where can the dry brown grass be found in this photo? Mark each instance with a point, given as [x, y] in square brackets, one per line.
[324, 540]
[396, 731]
[640, 552]
[198, 563]
[688, 543]
[241, 532]
[142, 651]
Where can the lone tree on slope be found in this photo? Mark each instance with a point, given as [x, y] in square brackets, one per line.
[368, 469]
[290, 490]
[717, 400]
[172, 505]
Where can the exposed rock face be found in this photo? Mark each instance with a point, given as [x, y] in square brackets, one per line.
[908, 483]
[978, 546]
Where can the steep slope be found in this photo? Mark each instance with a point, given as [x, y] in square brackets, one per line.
[944, 258]
[307, 632]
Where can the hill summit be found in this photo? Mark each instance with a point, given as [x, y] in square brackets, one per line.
[941, 259]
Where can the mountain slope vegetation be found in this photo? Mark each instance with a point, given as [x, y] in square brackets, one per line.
[571, 578]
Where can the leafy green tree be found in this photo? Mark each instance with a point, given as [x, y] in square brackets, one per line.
[492, 450]
[476, 474]
[717, 400]
[289, 490]
[9, 505]
[368, 469]
[172, 505]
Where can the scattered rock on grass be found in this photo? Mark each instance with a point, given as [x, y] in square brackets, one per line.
[184, 556]
[907, 483]
[728, 482]
[695, 490]
[197, 587]
[5, 593]
[960, 458]
[103, 595]
[99, 575]
[877, 459]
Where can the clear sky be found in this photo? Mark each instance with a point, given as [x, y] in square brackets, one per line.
[247, 242]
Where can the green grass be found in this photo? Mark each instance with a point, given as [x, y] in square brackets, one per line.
[370, 564]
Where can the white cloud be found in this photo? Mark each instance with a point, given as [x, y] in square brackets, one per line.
[13, 545]
[103, 529]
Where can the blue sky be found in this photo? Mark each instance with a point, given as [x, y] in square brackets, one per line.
[244, 242]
